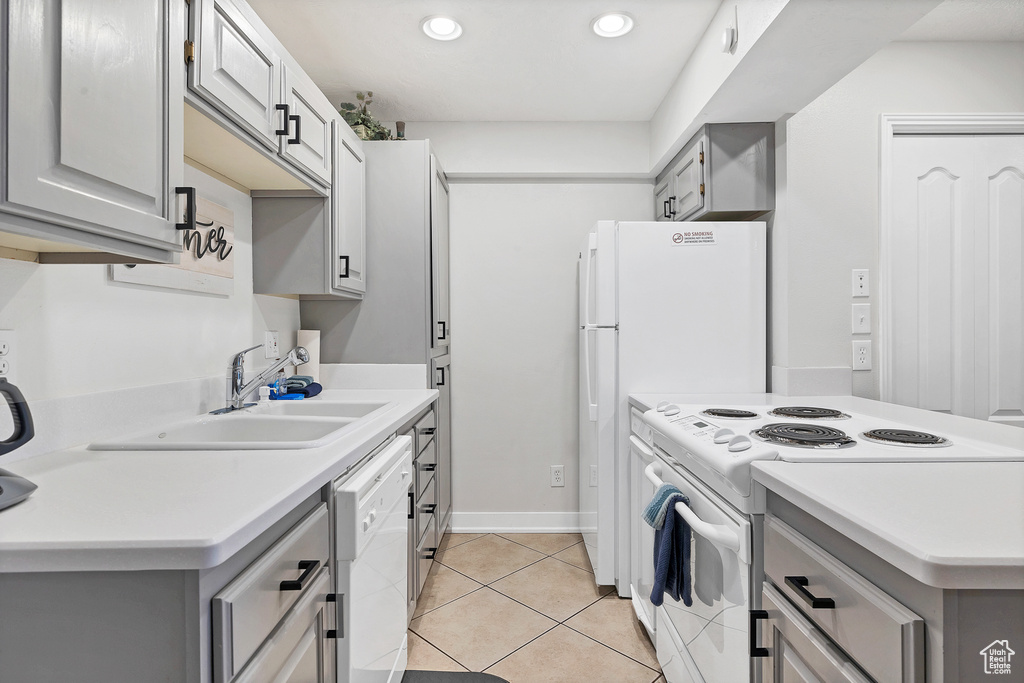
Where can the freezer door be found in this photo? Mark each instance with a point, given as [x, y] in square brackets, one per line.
[597, 277]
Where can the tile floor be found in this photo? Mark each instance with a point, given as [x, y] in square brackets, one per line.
[525, 607]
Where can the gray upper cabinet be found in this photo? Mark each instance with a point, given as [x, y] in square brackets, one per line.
[237, 69]
[92, 142]
[439, 258]
[245, 75]
[726, 172]
[348, 246]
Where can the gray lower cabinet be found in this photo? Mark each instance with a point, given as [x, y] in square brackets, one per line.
[442, 381]
[93, 125]
[262, 615]
[725, 172]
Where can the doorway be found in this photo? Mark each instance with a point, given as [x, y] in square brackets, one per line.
[951, 251]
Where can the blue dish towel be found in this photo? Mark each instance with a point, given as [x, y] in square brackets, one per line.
[654, 513]
[309, 390]
[672, 556]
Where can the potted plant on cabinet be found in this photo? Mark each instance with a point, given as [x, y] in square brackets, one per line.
[358, 116]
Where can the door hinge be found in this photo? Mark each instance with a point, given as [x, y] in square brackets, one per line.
[190, 52]
[702, 157]
[702, 189]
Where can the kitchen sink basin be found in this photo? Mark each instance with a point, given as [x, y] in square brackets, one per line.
[237, 431]
[315, 408]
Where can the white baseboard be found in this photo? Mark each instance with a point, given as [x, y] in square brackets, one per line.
[812, 381]
[515, 522]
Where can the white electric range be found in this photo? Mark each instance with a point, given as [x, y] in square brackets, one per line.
[705, 445]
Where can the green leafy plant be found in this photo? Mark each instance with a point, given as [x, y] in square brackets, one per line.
[358, 116]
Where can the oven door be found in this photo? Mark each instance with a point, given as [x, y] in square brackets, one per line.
[642, 551]
[710, 636]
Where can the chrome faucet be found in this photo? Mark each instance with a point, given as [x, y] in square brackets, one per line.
[238, 389]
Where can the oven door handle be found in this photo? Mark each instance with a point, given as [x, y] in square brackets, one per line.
[718, 534]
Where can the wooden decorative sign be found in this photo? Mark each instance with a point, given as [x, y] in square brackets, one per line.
[207, 257]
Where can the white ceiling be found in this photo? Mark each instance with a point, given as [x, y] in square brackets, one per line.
[517, 60]
[980, 20]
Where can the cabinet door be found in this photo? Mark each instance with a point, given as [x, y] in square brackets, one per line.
[687, 195]
[441, 332]
[94, 116]
[348, 193]
[662, 208]
[442, 377]
[307, 143]
[296, 652]
[797, 651]
[237, 70]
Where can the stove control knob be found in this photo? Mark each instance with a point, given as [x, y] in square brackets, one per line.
[662, 406]
[723, 435]
[739, 443]
[671, 410]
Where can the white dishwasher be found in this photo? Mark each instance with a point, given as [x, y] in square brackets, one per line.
[372, 534]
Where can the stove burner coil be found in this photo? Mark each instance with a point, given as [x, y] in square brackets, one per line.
[906, 437]
[803, 435]
[731, 413]
[808, 413]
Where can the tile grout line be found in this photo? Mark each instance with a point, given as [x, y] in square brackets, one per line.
[441, 651]
[609, 646]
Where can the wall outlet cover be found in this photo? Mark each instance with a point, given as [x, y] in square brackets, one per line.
[861, 286]
[558, 475]
[271, 345]
[8, 355]
[862, 355]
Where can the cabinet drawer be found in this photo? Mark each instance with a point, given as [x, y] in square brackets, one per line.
[249, 607]
[425, 550]
[298, 650]
[425, 429]
[425, 508]
[426, 463]
[883, 636]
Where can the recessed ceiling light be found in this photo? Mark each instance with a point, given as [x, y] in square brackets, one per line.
[441, 28]
[612, 24]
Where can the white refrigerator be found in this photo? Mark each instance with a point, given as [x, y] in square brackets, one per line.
[664, 308]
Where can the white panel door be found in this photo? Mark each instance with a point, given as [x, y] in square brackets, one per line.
[439, 257]
[348, 193]
[237, 68]
[308, 141]
[957, 295]
[687, 184]
[93, 127]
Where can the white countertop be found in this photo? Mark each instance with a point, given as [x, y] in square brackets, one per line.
[948, 525]
[136, 510]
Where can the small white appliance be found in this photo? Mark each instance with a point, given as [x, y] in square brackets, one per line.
[663, 306]
[372, 530]
[706, 448]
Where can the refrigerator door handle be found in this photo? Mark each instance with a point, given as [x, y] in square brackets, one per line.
[587, 281]
[591, 406]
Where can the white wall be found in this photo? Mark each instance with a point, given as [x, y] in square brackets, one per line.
[79, 333]
[514, 250]
[827, 222]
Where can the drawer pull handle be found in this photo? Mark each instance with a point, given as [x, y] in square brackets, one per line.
[427, 431]
[430, 511]
[799, 584]
[307, 567]
[428, 554]
[429, 467]
[757, 615]
[412, 505]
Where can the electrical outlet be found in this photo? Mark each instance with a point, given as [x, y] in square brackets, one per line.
[558, 475]
[860, 282]
[8, 352]
[862, 354]
[593, 476]
[271, 346]
[861, 318]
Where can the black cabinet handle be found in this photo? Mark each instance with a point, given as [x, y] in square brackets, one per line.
[755, 616]
[799, 584]
[427, 431]
[430, 467]
[672, 206]
[344, 257]
[307, 567]
[190, 208]
[432, 506]
[664, 210]
[430, 554]
[298, 129]
[444, 330]
[339, 600]
[440, 382]
[285, 109]
[412, 505]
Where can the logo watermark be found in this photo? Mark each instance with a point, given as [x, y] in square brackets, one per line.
[997, 657]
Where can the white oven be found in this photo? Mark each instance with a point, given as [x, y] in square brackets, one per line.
[641, 454]
[708, 641]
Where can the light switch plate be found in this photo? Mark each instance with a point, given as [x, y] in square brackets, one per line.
[861, 318]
